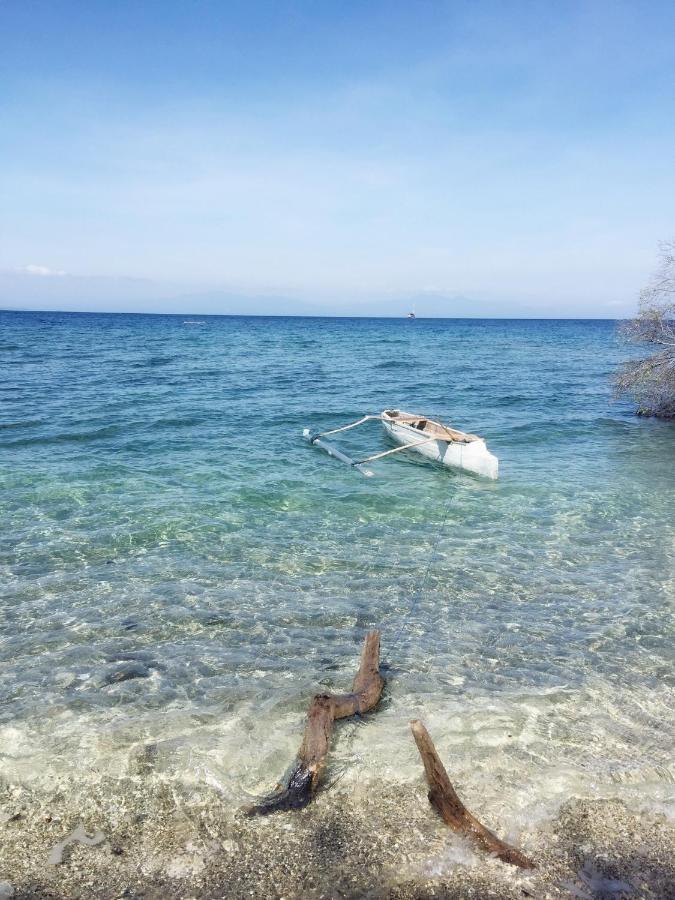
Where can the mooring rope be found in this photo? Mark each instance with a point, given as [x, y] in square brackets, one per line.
[420, 588]
[390, 646]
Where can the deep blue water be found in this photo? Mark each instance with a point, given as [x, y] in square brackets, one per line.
[163, 519]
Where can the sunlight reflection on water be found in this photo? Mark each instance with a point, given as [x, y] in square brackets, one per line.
[180, 569]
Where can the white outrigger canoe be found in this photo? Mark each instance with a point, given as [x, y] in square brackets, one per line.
[431, 439]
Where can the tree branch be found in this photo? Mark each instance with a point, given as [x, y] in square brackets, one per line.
[443, 796]
[303, 779]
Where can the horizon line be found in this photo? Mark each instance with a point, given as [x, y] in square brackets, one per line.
[403, 318]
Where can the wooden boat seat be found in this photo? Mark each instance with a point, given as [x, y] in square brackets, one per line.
[444, 432]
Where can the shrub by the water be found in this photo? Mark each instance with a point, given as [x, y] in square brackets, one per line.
[651, 381]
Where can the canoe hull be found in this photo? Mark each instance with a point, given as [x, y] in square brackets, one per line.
[473, 457]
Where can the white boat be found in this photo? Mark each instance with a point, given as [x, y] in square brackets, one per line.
[435, 441]
[440, 443]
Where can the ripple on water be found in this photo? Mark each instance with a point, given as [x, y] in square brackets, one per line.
[180, 571]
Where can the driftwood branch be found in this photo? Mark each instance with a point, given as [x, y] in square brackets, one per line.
[443, 796]
[301, 784]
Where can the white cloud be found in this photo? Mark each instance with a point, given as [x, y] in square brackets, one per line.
[40, 270]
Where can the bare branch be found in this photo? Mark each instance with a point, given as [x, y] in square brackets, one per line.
[302, 781]
[651, 381]
[443, 796]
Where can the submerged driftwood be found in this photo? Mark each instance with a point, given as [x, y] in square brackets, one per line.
[443, 796]
[301, 784]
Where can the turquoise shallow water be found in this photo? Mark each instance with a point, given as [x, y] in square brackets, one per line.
[178, 566]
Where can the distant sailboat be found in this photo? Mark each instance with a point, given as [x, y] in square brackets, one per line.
[411, 315]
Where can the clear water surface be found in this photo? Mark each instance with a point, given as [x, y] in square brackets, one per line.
[177, 566]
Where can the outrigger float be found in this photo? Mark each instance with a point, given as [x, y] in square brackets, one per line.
[433, 440]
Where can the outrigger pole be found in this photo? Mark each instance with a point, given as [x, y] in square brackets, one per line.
[347, 427]
[333, 451]
[398, 449]
[358, 464]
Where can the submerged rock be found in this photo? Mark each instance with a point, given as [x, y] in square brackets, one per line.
[127, 671]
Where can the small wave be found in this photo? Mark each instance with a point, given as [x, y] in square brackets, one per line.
[28, 423]
[177, 422]
[393, 364]
[154, 361]
[648, 773]
[208, 373]
[64, 437]
[545, 431]
[513, 400]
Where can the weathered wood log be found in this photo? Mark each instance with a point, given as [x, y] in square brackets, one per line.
[301, 783]
[443, 796]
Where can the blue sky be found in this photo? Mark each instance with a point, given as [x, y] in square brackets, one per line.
[473, 158]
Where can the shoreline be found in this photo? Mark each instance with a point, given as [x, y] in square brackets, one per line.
[166, 840]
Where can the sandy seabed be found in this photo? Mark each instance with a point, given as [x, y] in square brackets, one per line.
[162, 840]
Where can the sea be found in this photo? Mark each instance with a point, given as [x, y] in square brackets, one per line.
[180, 571]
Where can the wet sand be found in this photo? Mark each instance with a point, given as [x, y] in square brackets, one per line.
[162, 840]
